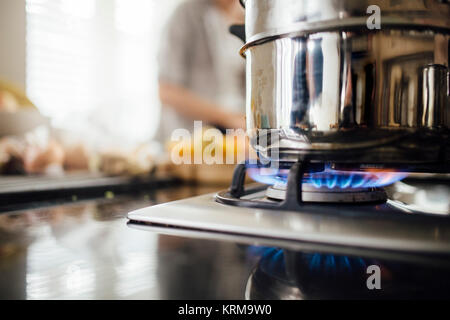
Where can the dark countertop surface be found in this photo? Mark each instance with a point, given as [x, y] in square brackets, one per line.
[85, 250]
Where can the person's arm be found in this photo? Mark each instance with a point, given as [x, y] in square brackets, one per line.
[174, 58]
[195, 107]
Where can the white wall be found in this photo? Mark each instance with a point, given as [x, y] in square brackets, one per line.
[12, 41]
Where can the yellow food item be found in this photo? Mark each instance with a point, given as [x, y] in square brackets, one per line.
[237, 146]
[14, 95]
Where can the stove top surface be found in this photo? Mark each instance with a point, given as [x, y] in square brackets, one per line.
[390, 227]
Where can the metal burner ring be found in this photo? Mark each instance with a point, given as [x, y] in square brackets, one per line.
[311, 193]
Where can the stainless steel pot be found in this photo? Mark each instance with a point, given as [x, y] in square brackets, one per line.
[321, 83]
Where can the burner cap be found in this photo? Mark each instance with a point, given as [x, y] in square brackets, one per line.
[311, 193]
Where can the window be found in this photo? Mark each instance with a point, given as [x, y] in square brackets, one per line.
[91, 64]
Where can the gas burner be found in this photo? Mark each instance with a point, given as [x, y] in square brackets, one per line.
[291, 187]
[247, 214]
[311, 193]
[324, 183]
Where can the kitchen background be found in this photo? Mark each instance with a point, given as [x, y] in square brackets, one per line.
[79, 78]
[88, 66]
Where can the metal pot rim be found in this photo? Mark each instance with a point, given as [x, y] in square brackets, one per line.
[301, 29]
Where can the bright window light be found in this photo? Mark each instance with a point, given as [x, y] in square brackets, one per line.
[92, 67]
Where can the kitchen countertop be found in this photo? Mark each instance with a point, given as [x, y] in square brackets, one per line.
[85, 250]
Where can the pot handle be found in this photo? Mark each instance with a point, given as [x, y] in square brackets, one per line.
[238, 30]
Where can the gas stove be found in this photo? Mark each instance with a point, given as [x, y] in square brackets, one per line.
[319, 227]
[327, 207]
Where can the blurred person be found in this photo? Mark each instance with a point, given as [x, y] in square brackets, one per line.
[201, 74]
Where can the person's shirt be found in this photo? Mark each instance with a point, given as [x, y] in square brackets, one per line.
[198, 53]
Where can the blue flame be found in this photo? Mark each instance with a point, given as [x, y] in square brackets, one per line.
[316, 263]
[332, 264]
[329, 178]
[272, 259]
